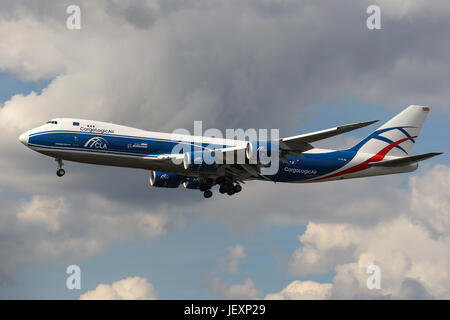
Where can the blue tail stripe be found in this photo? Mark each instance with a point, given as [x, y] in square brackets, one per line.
[389, 142]
[407, 134]
[376, 135]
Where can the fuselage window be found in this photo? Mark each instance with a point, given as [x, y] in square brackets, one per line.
[52, 122]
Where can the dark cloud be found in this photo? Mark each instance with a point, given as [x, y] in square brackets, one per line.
[413, 290]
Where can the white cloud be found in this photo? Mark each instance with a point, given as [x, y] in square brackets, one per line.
[402, 249]
[430, 199]
[132, 288]
[412, 249]
[303, 290]
[322, 245]
[44, 211]
[246, 290]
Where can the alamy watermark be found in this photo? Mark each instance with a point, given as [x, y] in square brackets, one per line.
[374, 280]
[373, 22]
[206, 149]
[74, 280]
[73, 21]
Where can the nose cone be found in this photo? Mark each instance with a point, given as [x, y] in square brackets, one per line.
[24, 138]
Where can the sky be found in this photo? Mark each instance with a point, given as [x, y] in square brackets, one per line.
[297, 66]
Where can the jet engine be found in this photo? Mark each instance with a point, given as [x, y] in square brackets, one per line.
[196, 183]
[260, 152]
[164, 179]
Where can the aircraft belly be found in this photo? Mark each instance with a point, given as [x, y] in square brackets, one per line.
[111, 160]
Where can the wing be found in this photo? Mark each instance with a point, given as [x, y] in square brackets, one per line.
[302, 143]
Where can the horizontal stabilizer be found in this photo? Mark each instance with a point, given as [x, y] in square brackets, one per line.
[405, 160]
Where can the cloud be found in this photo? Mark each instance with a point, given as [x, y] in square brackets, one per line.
[302, 290]
[413, 261]
[244, 291]
[323, 245]
[430, 199]
[132, 288]
[412, 265]
[235, 255]
[44, 211]
[70, 228]
[230, 264]
[411, 249]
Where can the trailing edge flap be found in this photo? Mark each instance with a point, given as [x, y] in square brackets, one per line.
[405, 160]
[302, 142]
[167, 157]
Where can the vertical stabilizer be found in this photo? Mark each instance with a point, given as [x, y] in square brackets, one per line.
[398, 135]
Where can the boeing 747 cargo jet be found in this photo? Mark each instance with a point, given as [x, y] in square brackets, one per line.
[385, 151]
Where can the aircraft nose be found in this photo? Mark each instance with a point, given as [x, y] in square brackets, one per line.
[24, 138]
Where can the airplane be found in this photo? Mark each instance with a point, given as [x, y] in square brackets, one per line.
[385, 151]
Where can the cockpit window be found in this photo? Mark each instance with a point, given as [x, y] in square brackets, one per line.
[52, 122]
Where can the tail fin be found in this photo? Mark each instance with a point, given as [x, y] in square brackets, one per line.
[397, 136]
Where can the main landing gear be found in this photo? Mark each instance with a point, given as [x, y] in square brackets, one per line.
[225, 186]
[60, 172]
[229, 188]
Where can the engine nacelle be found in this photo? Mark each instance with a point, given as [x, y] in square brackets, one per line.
[260, 152]
[164, 179]
[192, 183]
[199, 161]
[196, 183]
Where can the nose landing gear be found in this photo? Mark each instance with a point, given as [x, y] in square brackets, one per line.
[60, 172]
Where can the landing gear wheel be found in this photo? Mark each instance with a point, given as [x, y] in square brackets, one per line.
[207, 194]
[237, 188]
[60, 172]
[223, 188]
[230, 191]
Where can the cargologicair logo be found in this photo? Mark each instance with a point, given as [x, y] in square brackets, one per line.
[96, 143]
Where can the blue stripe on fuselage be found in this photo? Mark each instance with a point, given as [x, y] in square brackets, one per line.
[80, 141]
[311, 165]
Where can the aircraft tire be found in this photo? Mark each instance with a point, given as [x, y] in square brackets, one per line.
[60, 172]
[207, 194]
